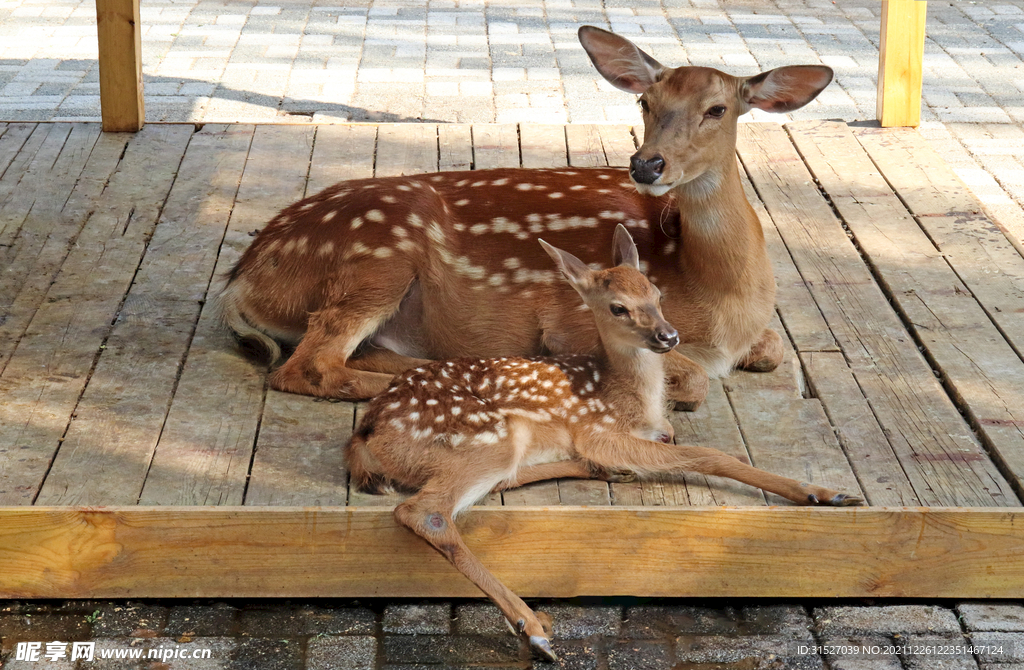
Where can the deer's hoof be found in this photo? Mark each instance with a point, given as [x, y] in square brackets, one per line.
[620, 476]
[845, 500]
[688, 405]
[541, 647]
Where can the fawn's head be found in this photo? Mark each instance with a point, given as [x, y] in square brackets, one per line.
[626, 305]
[690, 112]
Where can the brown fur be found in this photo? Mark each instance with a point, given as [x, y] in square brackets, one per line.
[454, 430]
[445, 265]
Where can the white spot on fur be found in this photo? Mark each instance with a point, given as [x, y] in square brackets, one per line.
[556, 195]
[326, 249]
[356, 222]
[390, 199]
[375, 215]
[382, 252]
[329, 215]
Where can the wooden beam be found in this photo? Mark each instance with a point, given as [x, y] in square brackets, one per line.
[797, 552]
[119, 29]
[900, 58]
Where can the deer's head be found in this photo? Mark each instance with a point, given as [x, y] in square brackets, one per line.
[690, 112]
[625, 304]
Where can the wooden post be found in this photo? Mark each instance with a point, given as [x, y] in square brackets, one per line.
[900, 59]
[119, 29]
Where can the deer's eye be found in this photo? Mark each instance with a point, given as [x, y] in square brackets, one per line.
[619, 310]
[716, 112]
[643, 105]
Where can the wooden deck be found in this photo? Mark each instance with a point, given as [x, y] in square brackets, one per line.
[141, 456]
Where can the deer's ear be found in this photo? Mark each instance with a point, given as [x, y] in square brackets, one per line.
[620, 61]
[624, 249]
[785, 88]
[575, 270]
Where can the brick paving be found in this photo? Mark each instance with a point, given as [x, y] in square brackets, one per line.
[509, 62]
[615, 634]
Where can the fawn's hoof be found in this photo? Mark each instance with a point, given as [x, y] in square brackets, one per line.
[838, 500]
[620, 476]
[541, 646]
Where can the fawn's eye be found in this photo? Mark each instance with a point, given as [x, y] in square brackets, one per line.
[716, 112]
[619, 310]
[643, 105]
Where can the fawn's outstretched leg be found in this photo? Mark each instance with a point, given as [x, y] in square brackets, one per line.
[622, 450]
[766, 354]
[563, 470]
[429, 515]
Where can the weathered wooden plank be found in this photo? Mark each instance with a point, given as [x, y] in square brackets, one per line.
[22, 194]
[455, 145]
[21, 162]
[341, 152]
[585, 147]
[119, 29]
[900, 62]
[936, 447]
[44, 379]
[618, 144]
[108, 447]
[867, 450]
[50, 229]
[954, 220]
[793, 438]
[554, 553]
[406, 148]
[495, 145]
[12, 138]
[982, 369]
[793, 300]
[206, 446]
[784, 432]
[543, 145]
[299, 457]
[713, 424]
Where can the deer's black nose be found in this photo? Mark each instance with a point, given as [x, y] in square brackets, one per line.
[667, 338]
[646, 171]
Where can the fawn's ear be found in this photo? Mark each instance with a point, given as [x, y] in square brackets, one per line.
[624, 249]
[575, 270]
[620, 61]
[785, 88]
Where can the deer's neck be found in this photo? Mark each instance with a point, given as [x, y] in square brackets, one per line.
[635, 382]
[721, 241]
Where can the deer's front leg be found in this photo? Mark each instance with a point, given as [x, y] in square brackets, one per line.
[687, 382]
[765, 355]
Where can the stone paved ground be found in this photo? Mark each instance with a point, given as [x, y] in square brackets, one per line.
[515, 61]
[618, 634]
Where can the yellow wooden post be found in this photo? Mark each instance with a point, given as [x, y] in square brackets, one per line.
[900, 59]
[119, 29]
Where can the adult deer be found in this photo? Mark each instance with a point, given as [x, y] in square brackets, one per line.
[368, 278]
[455, 430]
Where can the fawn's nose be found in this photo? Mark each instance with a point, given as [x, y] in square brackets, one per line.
[667, 338]
[646, 170]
